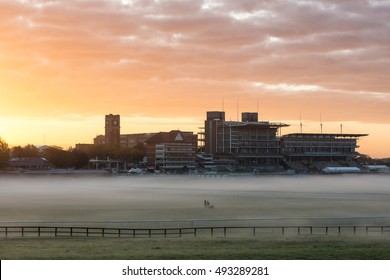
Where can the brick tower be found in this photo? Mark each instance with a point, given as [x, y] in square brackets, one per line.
[112, 130]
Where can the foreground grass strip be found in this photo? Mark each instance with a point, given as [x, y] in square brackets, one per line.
[299, 248]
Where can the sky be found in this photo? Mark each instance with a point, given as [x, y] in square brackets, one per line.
[161, 64]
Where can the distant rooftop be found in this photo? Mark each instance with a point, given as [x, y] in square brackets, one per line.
[263, 123]
[325, 135]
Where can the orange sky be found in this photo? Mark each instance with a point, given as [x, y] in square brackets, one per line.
[162, 64]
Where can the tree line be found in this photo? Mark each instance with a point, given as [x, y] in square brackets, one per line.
[71, 158]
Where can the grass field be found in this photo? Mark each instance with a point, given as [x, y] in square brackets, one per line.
[296, 248]
[177, 201]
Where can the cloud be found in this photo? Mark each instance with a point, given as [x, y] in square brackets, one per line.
[162, 57]
[289, 87]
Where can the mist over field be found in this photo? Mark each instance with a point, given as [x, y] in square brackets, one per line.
[278, 200]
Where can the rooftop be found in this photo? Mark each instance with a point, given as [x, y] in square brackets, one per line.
[324, 135]
[172, 137]
[261, 124]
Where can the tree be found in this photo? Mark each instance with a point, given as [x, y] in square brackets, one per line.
[4, 153]
[80, 159]
[25, 152]
[100, 151]
[58, 157]
[139, 152]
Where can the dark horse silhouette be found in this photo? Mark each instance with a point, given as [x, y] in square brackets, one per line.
[207, 204]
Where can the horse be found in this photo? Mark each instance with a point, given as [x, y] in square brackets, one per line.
[207, 204]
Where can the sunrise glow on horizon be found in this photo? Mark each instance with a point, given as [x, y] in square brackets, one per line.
[162, 64]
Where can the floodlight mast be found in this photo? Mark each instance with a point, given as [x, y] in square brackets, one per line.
[300, 120]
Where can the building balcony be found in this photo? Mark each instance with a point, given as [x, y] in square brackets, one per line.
[319, 154]
[270, 155]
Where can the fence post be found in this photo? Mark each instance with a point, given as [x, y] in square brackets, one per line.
[282, 231]
[212, 232]
[382, 230]
[339, 230]
[311, 230]
[366, 230]
[254, 231]
[6, 231]
[194, 232]
[22, 231]
[87, 232]
[133, 233]
[224, 232]
[354, 230]
[299, 231]
[39, 231]
[165, 233]
[119, 232]
[71, 231]
[102, 232]
[179, 232]
[326, 230]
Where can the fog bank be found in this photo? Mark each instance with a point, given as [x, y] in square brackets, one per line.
[281, 199]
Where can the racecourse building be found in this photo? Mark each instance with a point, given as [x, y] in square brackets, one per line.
[245, 143]
[171, 151]
[320, 146]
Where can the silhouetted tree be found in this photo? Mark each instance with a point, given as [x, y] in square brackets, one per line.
[80, 159]
[134, 155]
[364, 159]
[58, 157]
[4, 153]
[25, 152]
[138, 153]
[122, 153]
[100, 151]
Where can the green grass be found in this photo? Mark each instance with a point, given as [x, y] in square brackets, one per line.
[297, 248]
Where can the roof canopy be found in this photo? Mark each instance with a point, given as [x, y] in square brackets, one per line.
[323, 135]
[172, 137]
[260, 124]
